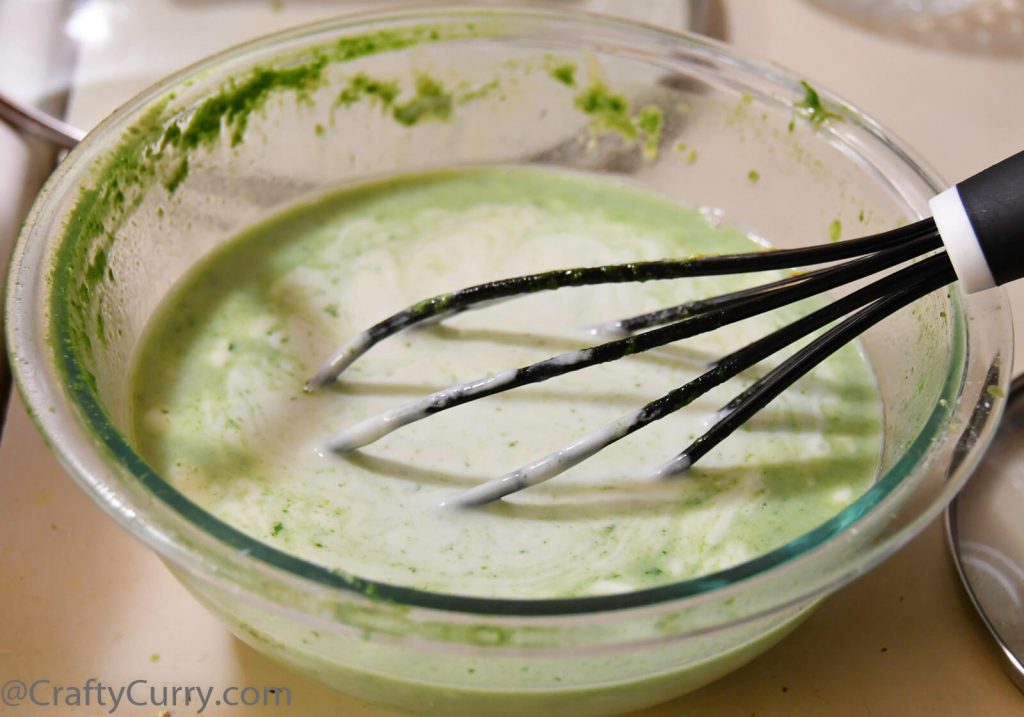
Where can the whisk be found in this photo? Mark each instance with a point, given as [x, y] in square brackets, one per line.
[971, 237]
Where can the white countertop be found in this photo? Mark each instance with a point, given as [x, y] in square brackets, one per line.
[79, 598]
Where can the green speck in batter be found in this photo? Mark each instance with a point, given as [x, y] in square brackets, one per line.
[835, 230]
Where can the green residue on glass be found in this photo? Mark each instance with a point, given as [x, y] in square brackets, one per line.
[741, 111]
[611, 112]
[232, 107]
[147, 153]
[171, 136]
[88, 234]
[564, 73]
[691, 156]
[432, 101]
[177, 176]
[155, 657]
[478, 93]
[351, 48]
[753, 176]
[276, 530]
[650, 120]
[860, 217]
[362, 86]
[319, 130]
[835, 230]
[812, 108]
[995, 391]
[101, 325]
[94, 272]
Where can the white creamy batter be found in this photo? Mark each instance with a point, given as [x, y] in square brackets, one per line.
[221, 411]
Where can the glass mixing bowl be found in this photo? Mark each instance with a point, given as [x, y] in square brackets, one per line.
[192, 161]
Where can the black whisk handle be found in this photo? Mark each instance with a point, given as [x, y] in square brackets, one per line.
[981, 222]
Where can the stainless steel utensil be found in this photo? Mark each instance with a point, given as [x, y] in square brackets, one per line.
[39, 124]
[985, 528]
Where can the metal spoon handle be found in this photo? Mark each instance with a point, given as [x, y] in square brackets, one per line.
[29, 119]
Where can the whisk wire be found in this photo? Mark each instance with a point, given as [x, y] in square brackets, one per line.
[730, 312]
[445, 305]
[926, 277]
[920, 245]
[913, 281]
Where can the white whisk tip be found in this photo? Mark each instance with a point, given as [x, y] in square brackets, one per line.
[487, 492]
[340, 361]
[359, 435]
[679, 464]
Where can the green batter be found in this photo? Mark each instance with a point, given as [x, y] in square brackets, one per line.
[220, 409]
